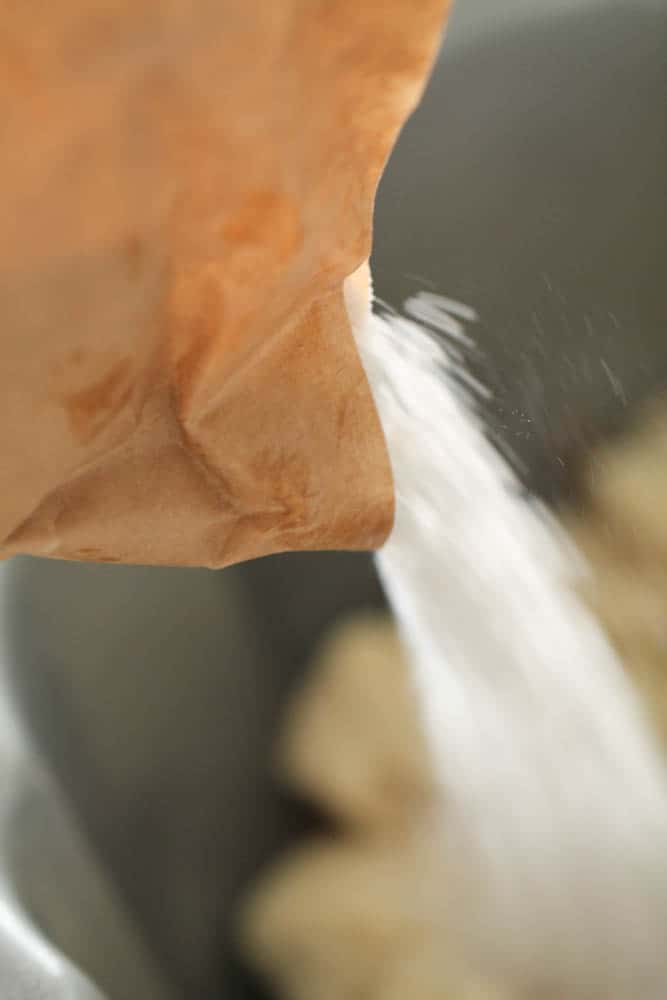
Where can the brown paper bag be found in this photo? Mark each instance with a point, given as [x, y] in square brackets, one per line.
[184, 187]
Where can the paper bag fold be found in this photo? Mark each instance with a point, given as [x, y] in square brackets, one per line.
[184, 188]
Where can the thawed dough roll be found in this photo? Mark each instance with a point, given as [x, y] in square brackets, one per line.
[365, 913]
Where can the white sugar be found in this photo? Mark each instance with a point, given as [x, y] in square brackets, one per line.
[554, 796]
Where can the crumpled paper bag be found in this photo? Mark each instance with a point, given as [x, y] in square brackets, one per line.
[184, 188]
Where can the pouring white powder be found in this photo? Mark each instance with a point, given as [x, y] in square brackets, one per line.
[554, 797]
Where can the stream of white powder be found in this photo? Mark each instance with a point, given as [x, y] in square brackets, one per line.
[554, 795]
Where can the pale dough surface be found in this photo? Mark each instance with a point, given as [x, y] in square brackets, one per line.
[358, 915]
